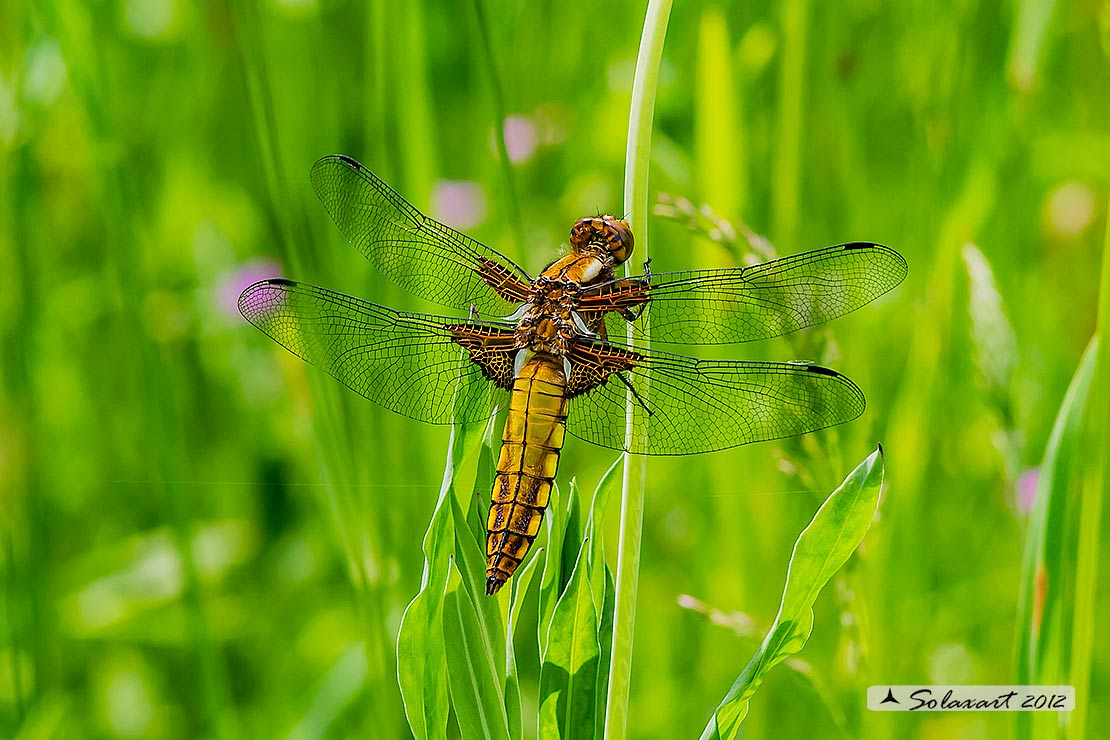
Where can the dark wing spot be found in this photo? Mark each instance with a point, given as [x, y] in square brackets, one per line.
[350, 162]
[823, 371]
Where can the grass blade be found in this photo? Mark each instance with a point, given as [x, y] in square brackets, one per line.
[637, 157]
[1047, 559]
[516, 220]
[1027, 42]
[788, 146]
[1062, 543]
[341, 687]
[718, 136]
[1096, 481]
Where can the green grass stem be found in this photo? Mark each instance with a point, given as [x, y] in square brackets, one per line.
[1027, 41]
[788, 150]
[636, 163]
[721, 166]
[516, 218]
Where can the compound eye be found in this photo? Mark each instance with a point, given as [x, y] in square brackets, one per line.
[620, 241]
[606, 233]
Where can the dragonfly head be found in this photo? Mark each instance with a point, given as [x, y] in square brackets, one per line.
[607, 236]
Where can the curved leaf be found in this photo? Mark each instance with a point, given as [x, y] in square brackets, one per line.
[821, 549]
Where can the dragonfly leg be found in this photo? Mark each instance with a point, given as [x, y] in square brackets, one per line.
[634, 394]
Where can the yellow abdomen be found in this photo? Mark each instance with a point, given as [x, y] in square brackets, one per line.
[530, 449]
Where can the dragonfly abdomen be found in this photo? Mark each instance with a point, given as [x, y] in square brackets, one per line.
[530, 447]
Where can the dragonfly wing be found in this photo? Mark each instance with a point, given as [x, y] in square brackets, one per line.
[744, 304]
[419, 254]
[428, 368]
[695, 406]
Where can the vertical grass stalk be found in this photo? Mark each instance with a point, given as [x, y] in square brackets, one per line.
[1027, 41]
[516, 218]
[786, 193]
[637, 157]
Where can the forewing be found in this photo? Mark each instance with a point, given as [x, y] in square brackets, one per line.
[744, 304]
[417, 365]
[695, 406]
[419, 254]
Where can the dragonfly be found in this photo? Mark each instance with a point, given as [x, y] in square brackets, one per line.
[547, 349]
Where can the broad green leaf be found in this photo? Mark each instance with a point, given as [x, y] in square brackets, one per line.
[475, 686]
[821, 549]
[569, 673]
[421, 656]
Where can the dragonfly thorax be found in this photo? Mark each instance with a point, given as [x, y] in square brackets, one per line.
[546, 332]
[554, 295]
[549, 321]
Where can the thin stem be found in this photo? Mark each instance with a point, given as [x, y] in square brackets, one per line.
[516, 219]
[788, 145]
[1027, 39]
[637, 157]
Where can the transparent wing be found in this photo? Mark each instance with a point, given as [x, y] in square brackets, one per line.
[413, 364]
[696, 406]
[745, 304]
[419, 254]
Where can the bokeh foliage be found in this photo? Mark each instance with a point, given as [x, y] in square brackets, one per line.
[204, 538]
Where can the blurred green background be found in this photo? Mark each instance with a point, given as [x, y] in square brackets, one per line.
[204, 537]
